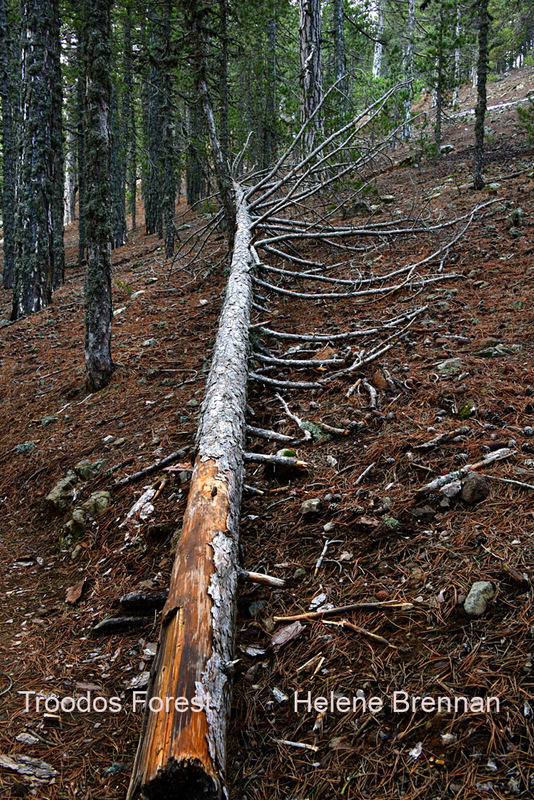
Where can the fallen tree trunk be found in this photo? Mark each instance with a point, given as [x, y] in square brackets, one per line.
[181, 753]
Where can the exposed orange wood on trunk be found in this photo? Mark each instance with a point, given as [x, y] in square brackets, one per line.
[186, 640]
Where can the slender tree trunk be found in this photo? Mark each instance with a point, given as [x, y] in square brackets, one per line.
[69, 194]
[58, 164]
[222, 170]
[98, 302]
[310, 68]
[168, 165]
[379, 47]
[39, 198]
[480, 111]
[129, 115]
[223, 78]
[80, 137]
[340, 58]
[118, 170]
[409, 69]
[457, 60]
[152, 177]
[271, 118]
[9, 100]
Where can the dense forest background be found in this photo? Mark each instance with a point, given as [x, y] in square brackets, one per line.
[106, 103]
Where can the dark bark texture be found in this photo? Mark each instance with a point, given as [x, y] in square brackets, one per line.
[9, 100]
[482, 74]
[39, 259]
[98, 303]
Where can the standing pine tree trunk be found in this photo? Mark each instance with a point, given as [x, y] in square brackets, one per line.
[482, 73]
[220, 163]
[39, 260]
[271, 117]
[310, 68]
[98, 302]
[379, 47]
[129, 117]
[409, 69]
[340, 58]
[168, 153]
[80, 152]
[118, 170]
[9, 99]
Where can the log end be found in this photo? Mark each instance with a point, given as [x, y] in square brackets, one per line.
[186, 779]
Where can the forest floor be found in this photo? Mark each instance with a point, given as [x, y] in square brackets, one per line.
[392, 542]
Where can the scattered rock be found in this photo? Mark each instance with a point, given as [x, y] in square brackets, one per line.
[467, 409]
[475, 488]
[498, 351]
[329, 527]
[387, 198]
[451, 489]
[310, 506]
[300, 572]
[62, 494]
[150, 342]
[515, 233]
[97, 503]
[87, 470]
[48, 420]
[477, 599]
[451, 366]
[193, 403]
[446, 148]
[26, 447]
[424, 512]
[489, 341]
[108, 439]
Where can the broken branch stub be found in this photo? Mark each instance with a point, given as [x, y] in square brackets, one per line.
[182, 752]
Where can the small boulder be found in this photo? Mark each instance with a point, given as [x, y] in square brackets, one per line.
[87, 470]
[424, 512]
[475, 488]
[477, 599]
[97, 503]
[311, 506]
[61, 496]
[451, 366]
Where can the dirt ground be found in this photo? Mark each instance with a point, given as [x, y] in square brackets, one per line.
[392, 541]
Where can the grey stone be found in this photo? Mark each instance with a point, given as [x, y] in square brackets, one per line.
[310, 506]
[475, 488]
[447, 148]
[300, 572]
[62, 494]
[26, 447]
[88, 470]
[451, 489]
[424, 512]
[451, 366]
[329, 527]
[477, 599]
[515, 233]
[48, 420]
[150, 342]
[193, 403]
[97, 503]
[108, 439]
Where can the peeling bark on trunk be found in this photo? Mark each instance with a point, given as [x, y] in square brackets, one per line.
[183, 754]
